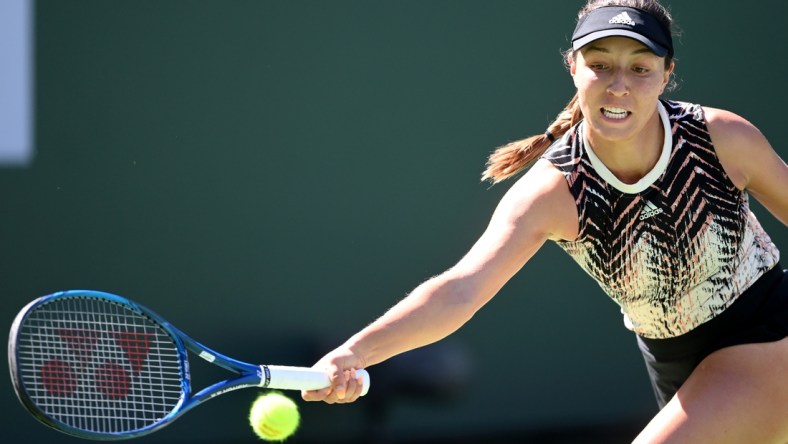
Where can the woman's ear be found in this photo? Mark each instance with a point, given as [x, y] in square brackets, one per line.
[668, 73]
[570, 62]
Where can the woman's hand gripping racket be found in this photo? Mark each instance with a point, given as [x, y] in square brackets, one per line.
[99, 366]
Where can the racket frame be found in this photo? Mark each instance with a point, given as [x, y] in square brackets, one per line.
[249, 375]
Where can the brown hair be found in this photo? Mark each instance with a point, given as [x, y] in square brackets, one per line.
[508, 160]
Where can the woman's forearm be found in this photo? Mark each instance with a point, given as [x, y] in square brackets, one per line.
[434, 310]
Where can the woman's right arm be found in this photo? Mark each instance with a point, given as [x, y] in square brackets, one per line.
[538, 207]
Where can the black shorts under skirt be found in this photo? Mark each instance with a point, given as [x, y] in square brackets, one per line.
[760, 314]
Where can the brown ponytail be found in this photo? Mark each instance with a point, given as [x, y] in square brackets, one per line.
[510, 159]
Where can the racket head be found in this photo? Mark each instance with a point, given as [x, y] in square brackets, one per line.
[96, 365]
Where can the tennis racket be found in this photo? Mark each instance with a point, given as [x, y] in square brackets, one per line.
[99, 366]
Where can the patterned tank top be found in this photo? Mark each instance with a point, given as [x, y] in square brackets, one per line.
[674, 249]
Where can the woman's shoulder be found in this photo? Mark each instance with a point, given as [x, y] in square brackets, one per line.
[729, 129]
[714, 117]
[749, 160]
[725, 127]
[727, 120]
[566, 151]
[543, 190]
[736, 141]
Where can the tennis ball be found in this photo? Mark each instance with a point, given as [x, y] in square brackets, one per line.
[274, 416]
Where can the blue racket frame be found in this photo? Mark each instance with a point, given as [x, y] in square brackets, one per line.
[250, 375]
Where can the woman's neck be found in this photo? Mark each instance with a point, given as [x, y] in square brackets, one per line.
[629, 160]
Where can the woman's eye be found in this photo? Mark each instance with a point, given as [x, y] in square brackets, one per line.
[640, 70]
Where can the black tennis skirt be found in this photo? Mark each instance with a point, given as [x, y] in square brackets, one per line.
[760, 314]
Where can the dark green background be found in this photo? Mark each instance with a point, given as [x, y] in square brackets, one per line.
[271, 176]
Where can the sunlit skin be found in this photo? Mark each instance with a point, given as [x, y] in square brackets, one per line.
[618, 82]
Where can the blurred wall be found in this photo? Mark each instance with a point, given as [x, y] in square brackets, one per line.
[271, 176]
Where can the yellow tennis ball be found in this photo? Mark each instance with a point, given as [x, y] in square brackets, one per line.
[274, 416]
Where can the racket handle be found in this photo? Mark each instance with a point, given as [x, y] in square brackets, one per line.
[302, 378]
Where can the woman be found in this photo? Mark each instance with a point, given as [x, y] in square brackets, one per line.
[650, 197]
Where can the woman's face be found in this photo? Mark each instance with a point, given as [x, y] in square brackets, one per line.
[618, 82]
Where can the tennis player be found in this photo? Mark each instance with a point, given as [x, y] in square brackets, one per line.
[650, 198]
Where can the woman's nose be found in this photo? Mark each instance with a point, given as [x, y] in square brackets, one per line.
[618, 84]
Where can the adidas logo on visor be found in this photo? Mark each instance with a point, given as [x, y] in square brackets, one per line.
[622, 19]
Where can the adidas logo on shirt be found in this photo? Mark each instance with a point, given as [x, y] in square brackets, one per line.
[650, 210]
[622, 19]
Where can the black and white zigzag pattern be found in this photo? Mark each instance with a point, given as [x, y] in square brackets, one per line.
[676, 254]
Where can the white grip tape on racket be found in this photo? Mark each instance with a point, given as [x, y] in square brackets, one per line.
[302, 378]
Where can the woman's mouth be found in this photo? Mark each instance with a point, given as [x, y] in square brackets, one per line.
[615, 113]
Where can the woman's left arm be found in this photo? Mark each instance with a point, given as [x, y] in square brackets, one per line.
[749, 160]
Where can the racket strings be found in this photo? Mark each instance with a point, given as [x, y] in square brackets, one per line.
[97, 365]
